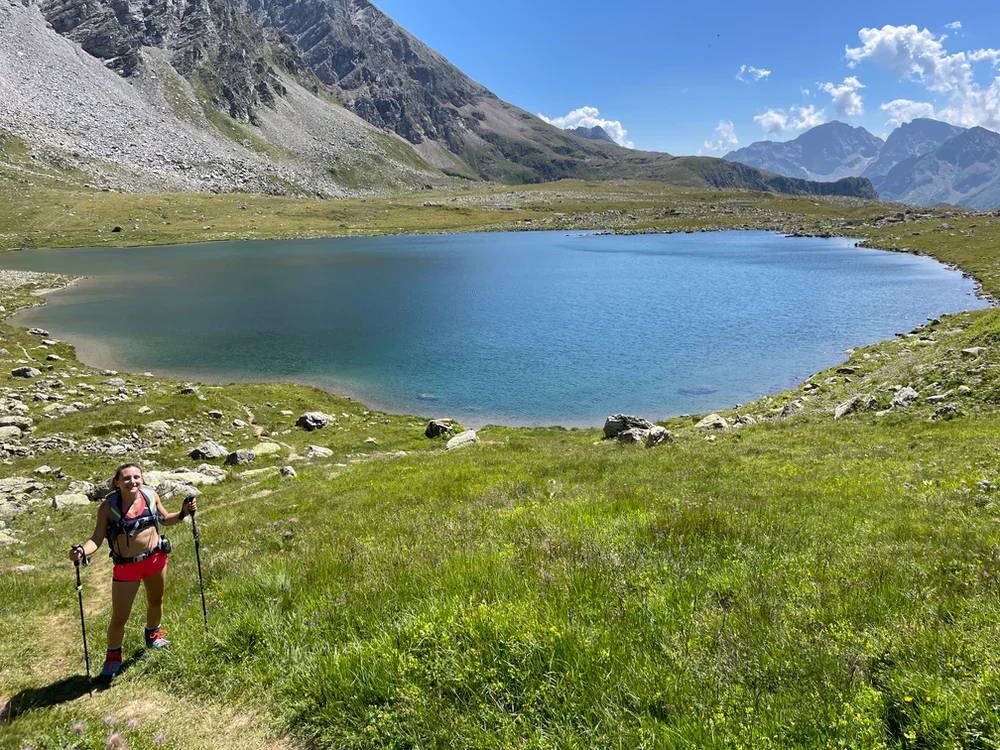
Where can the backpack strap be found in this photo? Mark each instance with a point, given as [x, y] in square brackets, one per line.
[150, 497]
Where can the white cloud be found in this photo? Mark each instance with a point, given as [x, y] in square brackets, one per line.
[903, 110]
[758, 74]
[588, 117]
[846, 99]
[805, 92]
[779, 122]
[919, 56]
[954, 25]
[726, 139]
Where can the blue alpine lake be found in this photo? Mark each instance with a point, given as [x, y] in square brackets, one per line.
[526, 328]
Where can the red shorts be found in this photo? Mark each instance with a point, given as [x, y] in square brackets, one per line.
[136, 571]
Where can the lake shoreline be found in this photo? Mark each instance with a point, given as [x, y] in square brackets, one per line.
[93, 353]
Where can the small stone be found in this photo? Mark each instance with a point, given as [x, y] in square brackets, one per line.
[371, 441]
[215, 414]
[287, 471]
[713, 422]
[905, 397]
[973, 351]
[38, 332]
[159, 428]
[318, 451]
[145, 410]
[53, 358]
[210, 450]
[658, 436]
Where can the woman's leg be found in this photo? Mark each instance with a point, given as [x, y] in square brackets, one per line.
[122, 596]
[154, 598]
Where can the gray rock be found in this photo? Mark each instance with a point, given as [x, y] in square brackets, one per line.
[617, 423]
[439, 427]
[964, 390]
[53, 358]
[7, 538]
[188, 390]
[314, 420]
[658, 436]
[169, 489]
[117, 382]
[145, 410]
[215, 414]
[25, 372]
[318, 451]
[287, 471]
[91, 490]
[462, 439]
[159, 428]
[633, 436]
[22, 423]
[203, 475]
[38, 332]
[846, 407]
[72, 500]
[713, 422]
[940, 398]
[210, 450]
[905, 397]
[948, 410]
[242, 456]
[9, 433]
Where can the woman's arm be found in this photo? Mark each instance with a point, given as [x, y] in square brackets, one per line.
[169, 519]
[93, 544]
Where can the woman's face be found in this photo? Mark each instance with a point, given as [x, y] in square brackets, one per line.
[129, 481]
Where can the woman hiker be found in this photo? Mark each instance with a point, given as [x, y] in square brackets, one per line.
[130, 518]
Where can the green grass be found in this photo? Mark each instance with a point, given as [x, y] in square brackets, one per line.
[799, 582]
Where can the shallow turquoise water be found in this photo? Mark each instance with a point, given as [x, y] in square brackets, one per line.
[525, 328]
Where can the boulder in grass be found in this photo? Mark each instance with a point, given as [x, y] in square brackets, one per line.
[158, 428]
[9, 433]
[462, 440]
[314, 420]
[25, 372]
[318, 451]
[209, 450]
[973, 351]
[713, 422]
[70, 500]
[438, 427]
[634, 436]
[287, 471]
[266, 449]
[621, 422]
[242, 456]
[38, 332]
[905, 397]
[21, 423]
[658, 436]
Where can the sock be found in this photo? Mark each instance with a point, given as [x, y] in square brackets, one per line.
[115, 652]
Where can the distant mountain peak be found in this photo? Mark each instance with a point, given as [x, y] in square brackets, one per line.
[596, 133]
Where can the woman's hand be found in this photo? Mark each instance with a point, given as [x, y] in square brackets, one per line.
[189, 507]
[76, 553]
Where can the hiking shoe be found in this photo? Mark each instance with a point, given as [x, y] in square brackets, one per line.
[156, 638]
[112, 665]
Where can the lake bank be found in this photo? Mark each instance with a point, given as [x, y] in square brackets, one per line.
[523, 322]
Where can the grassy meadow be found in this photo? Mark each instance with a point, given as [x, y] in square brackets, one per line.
[798, 581]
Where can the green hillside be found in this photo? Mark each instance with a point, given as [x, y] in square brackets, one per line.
[794, 581]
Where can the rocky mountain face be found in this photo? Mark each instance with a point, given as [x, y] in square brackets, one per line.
[324, 97]
[596, 133]
[922, 162]
[827, 152]
[964, 171]
[915, 138]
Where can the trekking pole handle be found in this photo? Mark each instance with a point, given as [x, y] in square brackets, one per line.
[83, 556]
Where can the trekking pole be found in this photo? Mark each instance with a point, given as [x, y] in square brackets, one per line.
[197, 555]
[83, 624]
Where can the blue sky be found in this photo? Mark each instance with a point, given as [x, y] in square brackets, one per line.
[666, 72]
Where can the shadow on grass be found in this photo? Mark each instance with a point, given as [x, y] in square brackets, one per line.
[65, 690]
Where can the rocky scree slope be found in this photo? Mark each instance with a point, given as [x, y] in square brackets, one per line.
[915, 138]
[193, 97]
[209, 95]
